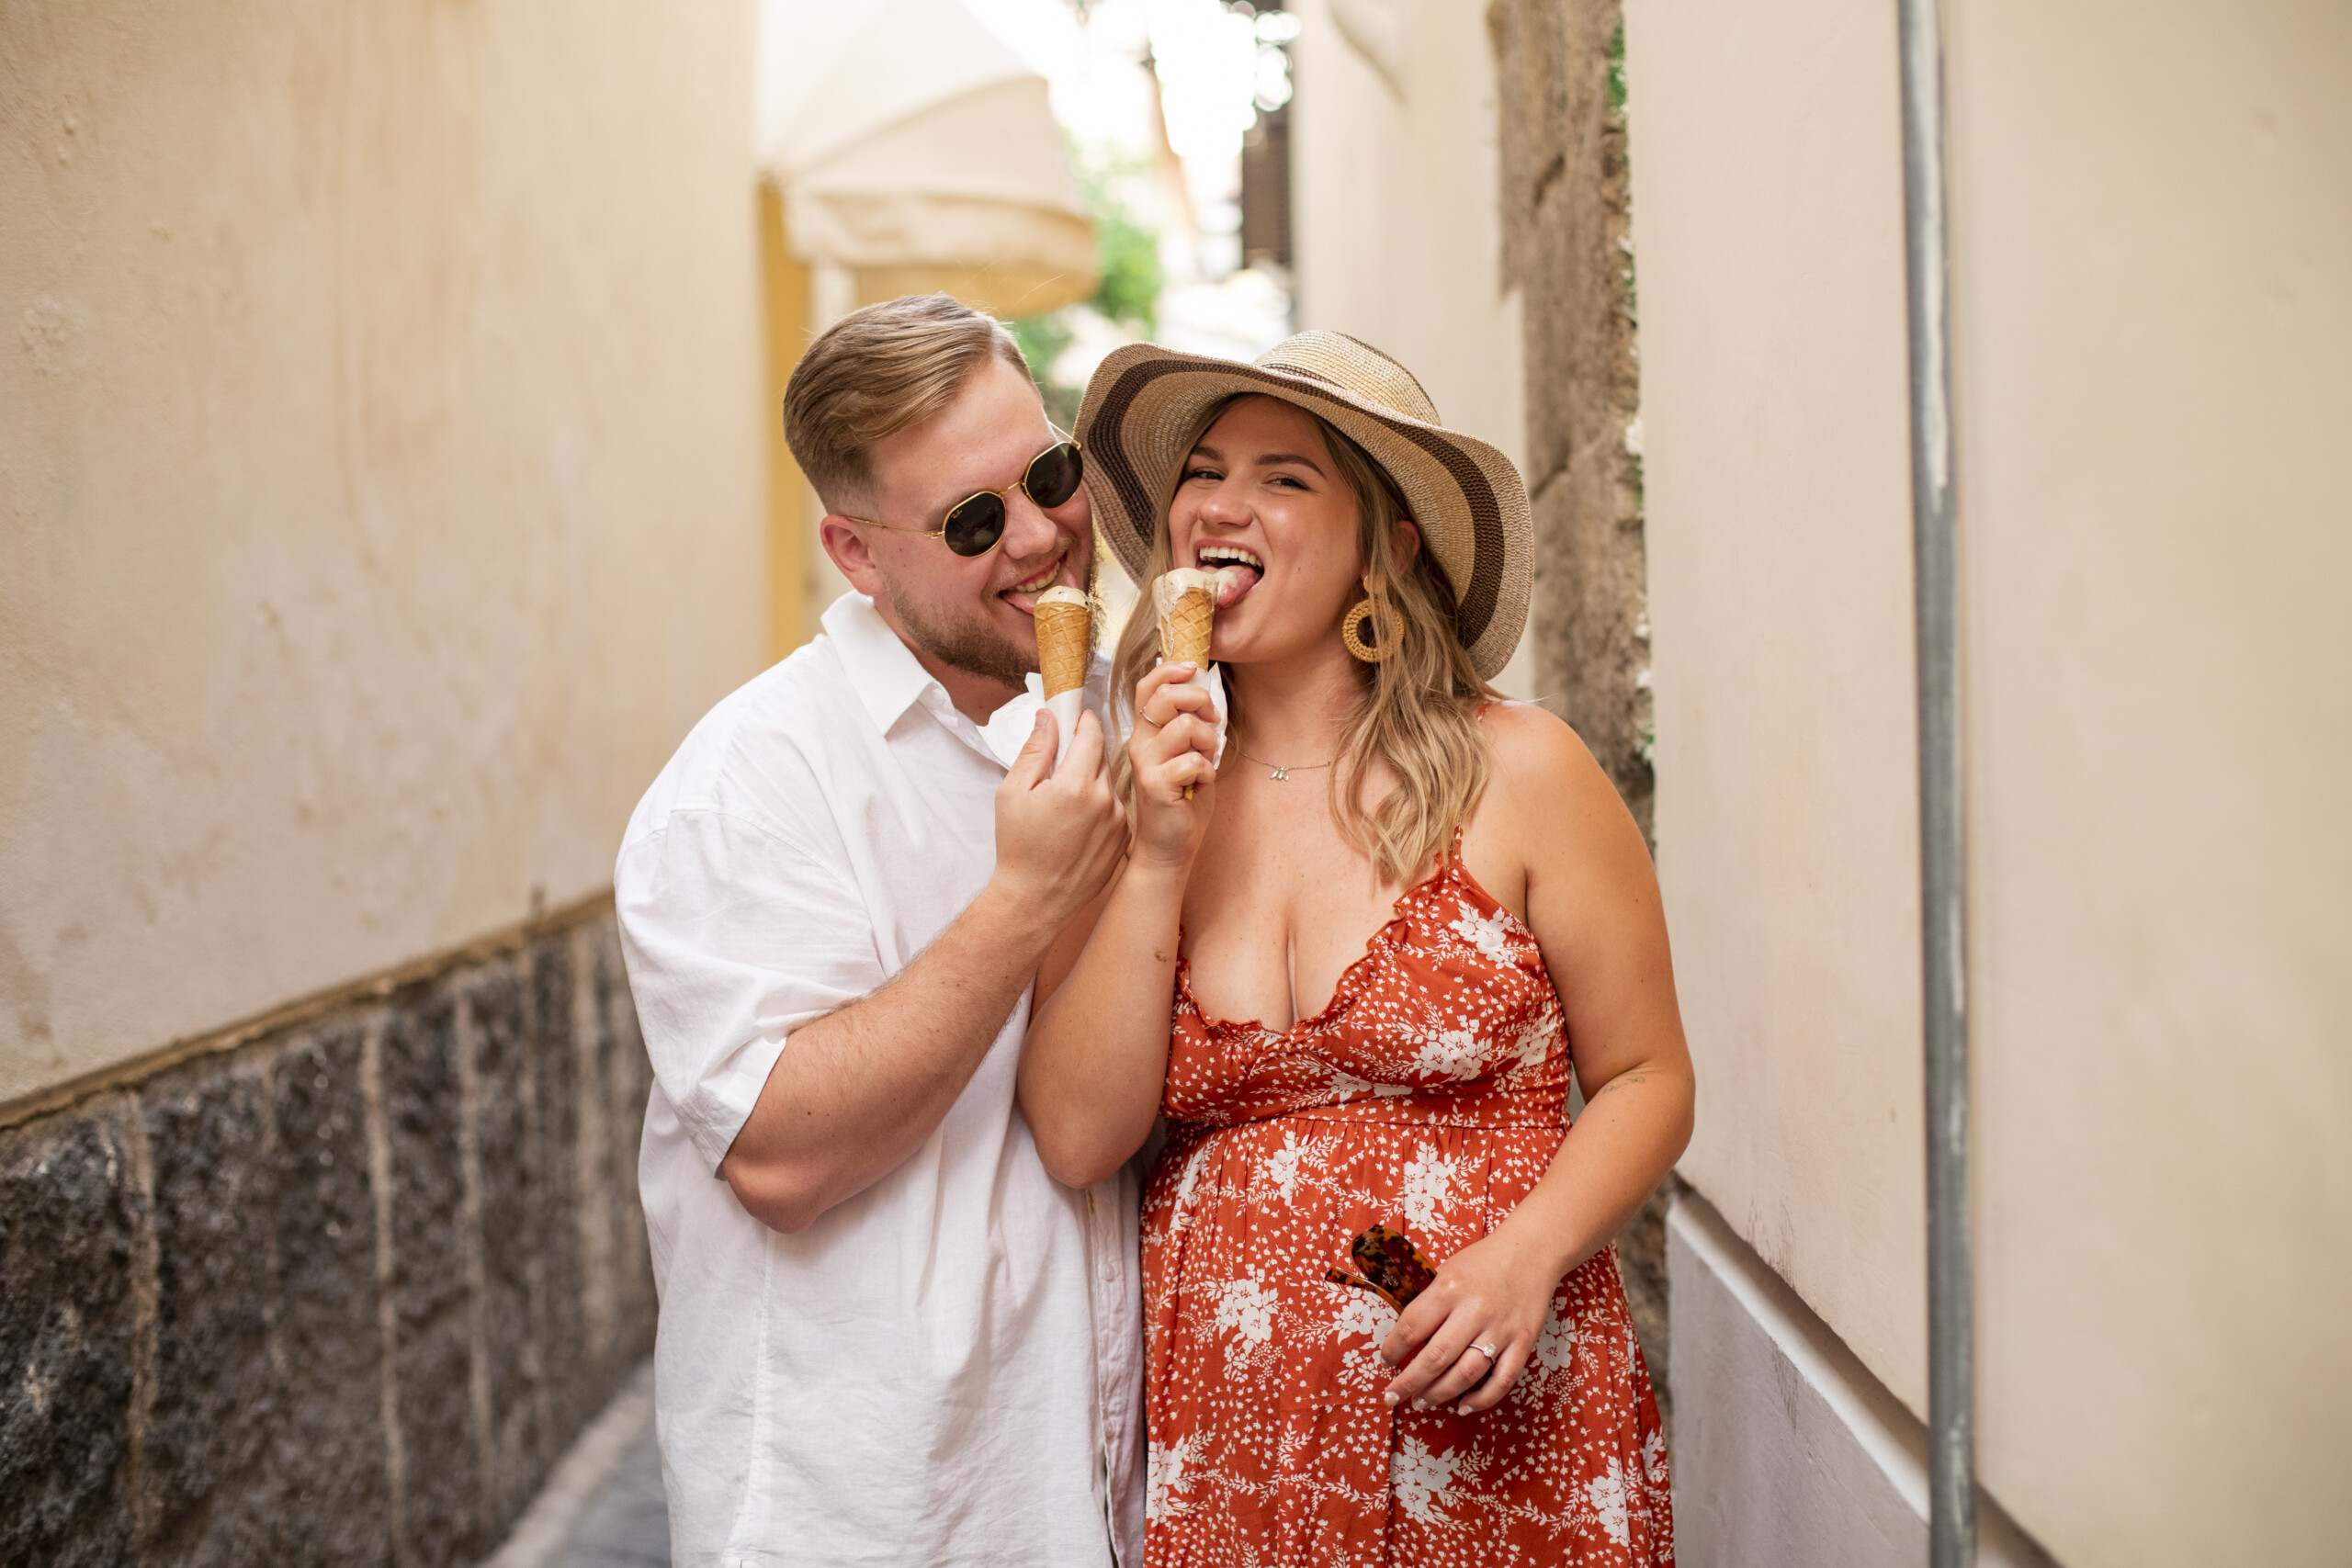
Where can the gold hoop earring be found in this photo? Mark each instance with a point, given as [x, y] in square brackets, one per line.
[1387, 626]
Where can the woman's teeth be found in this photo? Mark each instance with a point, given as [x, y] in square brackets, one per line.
[1238, 571]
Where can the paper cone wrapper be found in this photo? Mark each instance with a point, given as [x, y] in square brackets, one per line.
[1065, 643]
[1184, 629]
[1064, 707]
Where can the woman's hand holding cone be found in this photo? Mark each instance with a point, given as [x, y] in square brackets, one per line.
[1173, 751]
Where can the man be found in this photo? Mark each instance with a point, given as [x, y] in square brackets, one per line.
[886, 1335]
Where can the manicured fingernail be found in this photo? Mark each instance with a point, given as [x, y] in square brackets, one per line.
[1462, 1410]
[1390, 1400]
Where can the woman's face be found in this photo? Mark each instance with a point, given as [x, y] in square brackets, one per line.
[1260, 490]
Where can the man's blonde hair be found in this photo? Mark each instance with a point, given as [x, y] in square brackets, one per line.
[876, 372]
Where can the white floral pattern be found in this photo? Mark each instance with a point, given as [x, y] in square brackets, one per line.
[1429, 1182]
[1450, 1054]
[1420, 1478]
[1164, 1474]
[1556, 1343]
[1606, 1492]
[1248, 1309]
[1490, 934]
[1281, 1167]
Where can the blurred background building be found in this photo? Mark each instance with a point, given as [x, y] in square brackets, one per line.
[391, 473]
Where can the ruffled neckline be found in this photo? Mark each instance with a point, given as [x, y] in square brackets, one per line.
[1352, 980]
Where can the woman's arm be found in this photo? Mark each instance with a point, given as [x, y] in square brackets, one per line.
[1592, 901]
[1096, 1056]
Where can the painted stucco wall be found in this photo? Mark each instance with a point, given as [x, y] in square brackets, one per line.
[2153, 276]
[1397, 225]
[381, 482]
[1768, 212]
[2152, 308]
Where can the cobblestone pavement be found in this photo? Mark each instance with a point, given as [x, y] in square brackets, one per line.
[627, 1525]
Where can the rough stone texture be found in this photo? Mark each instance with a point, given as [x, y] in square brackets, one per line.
[556, 1073]
[194, 1308]
[68, 1218]
[220, 1391]
[433, 1364]
[628, 1078]
[1567, 245]
[508, 1160]
[1641, 1259]
[331, 1458]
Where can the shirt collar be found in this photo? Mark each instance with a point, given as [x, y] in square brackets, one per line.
[883, 671]
[888, 679]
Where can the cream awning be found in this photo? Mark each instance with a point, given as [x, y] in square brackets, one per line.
[913, 148]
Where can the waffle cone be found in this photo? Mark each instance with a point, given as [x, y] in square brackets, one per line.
[1065, 638]
[1184, 629]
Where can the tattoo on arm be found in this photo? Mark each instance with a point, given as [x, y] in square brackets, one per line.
[1617, 1082]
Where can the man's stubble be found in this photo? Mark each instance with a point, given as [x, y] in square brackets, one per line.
[975, 646]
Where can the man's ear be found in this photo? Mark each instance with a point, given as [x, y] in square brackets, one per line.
[846, 546]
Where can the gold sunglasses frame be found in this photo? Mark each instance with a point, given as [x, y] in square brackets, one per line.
[1021, 484]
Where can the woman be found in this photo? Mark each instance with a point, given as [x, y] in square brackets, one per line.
[1428, 904]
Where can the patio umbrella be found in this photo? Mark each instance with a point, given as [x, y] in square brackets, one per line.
[912, 149]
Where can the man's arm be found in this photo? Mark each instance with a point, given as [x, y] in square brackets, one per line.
[856, 1092]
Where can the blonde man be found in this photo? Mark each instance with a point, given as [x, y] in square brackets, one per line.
[886, 1335]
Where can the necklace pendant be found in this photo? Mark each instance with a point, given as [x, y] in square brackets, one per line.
[1281, 775]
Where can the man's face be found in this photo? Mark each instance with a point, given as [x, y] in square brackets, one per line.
[973, 614]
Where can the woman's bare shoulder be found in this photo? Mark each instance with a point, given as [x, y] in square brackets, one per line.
[1545, 780]
[1534, 750]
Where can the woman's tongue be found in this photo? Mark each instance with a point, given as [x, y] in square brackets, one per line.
[1232, 582]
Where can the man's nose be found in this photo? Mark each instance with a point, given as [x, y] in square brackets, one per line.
[1028, 532]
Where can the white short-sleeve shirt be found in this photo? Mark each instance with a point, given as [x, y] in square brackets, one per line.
[947, 1368]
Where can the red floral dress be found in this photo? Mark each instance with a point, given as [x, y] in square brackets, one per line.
[1431, 1095]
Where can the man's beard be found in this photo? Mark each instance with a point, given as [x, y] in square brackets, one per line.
[976, 647]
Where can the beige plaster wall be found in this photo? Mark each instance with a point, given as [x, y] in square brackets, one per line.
[2153, 272]
[381, 482]
[1396, 227]
[2153, 275]
[1768, 208]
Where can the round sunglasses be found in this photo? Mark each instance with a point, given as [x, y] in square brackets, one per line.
[975, 523]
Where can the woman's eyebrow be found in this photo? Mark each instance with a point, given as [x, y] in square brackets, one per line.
[1265, 459]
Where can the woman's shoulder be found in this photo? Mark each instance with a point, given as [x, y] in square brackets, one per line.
[1540, 764]
[1527, 739]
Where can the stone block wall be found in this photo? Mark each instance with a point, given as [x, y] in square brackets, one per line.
[340, 1291]
[1567, 246]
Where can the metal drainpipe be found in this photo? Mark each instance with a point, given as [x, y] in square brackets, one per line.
[1950, 1310]
[1952, 1364]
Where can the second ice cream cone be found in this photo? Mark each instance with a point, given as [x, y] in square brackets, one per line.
[1065, 639]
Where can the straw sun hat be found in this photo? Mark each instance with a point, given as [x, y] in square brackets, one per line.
[1468, 502]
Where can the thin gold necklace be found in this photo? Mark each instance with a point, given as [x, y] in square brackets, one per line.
[1283, 769]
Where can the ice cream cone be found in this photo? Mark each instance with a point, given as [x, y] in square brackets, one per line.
[1185, 600]
[1065, 639]
[1184, 629]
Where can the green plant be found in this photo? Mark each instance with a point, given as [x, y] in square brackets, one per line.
[1130, 278]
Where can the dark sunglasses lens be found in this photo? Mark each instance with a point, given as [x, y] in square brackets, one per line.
[1053, 478]
[974, 527]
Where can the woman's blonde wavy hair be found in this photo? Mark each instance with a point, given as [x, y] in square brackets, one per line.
[1417, 708]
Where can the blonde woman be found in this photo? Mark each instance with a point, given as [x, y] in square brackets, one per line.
[1353, 970]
